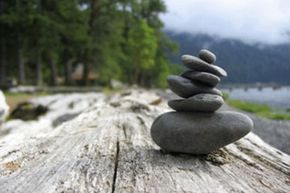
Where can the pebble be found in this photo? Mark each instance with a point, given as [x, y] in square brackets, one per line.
[186, 88]
[204, 77]
[199, 133]
[207, 56]
[198, 103]
[197, 64]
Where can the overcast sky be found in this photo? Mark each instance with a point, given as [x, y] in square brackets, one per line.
[258, 21]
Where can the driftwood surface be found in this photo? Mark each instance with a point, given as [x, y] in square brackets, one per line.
[107, 148]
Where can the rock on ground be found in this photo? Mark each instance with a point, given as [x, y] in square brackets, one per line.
[4, 108]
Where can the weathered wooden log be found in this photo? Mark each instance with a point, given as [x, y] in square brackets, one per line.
[108, 148]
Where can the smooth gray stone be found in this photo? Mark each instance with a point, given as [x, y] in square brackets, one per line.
[207, 56]
[204, 77]
[197, 64]
[199, 102]
[186, 88]
[199, 133]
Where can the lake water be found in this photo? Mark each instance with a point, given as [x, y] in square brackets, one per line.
[276, 98]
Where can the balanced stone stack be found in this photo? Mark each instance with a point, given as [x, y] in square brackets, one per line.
[196, 127]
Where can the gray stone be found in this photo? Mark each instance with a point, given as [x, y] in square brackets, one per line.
[116, 84]
[197, 64]
[186, 88]
[204, 77]
[207, 56]
[199, 133]
[4, 108]
[199, 102]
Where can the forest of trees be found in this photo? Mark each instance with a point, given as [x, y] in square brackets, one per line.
[43, 41]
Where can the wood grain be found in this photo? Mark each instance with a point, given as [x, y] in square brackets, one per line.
[108, 148]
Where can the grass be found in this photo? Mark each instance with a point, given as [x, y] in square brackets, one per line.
[226, 96]
[262, 110]
[249, 106]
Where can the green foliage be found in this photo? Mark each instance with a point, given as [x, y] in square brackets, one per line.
[163, 71]
[110, 67]
[278, 116]
[226, 96]
[142, 46]
[250, 107]
[259, 109]
[120, 39]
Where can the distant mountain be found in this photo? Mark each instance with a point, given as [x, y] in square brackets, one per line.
[244, 63]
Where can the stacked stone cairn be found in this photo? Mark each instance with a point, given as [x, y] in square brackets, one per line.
[196, 127]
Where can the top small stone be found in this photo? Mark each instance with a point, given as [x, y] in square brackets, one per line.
[207, 56]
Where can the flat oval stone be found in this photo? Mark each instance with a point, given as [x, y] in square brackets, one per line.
[199, 133]
[197, 64]
[207, 56]
[204, 77]
[199, 102]
[186, 88]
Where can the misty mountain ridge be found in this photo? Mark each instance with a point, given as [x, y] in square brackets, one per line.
[244, 62]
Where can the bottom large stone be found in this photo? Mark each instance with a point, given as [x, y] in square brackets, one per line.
[199, 133]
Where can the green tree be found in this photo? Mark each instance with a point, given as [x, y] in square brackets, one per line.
[3, 35]
[42, 40]
[142, 45]
[136, 14]
[15, 17]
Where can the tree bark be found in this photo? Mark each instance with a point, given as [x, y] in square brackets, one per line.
[68, 72]
[108, 148]
[39, 77]
[53, 72]
[95, 6]
[3, 80]
[3, 64]
[20, 61]
[86, 70]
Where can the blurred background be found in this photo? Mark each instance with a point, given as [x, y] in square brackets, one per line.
[83, 42]
[90, 42]
[95, 44]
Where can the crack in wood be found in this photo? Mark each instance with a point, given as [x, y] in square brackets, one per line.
[124, 131]
[264, 160]
[10, 153]
[116, 166]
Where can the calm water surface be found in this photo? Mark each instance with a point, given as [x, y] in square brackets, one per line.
[276, 98]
